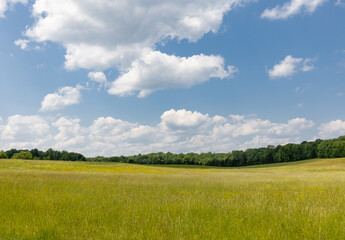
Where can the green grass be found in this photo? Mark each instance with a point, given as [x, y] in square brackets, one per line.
[80, 200]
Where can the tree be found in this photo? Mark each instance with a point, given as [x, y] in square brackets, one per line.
[3, 155]
[35, 153]
[22, 155]
[10, 153]
[238, 158]
[64, 156]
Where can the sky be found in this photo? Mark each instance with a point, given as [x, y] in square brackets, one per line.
[112, 77]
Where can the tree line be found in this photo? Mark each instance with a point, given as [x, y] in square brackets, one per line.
[35, 154]
[333, 148]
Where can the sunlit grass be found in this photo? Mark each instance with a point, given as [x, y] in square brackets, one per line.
[81, 200]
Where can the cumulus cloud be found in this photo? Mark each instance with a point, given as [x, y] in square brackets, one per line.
[290, 66]
[178, 131]
[24, 131]
[186, 131]
[293, 127]
[98, 77]
[183, 119]
[125, 34]
[6, 4]
[123, 27]
[156, 71]
[332, 129]
[64, 97]
[242, 126]
[187, 121]
[70, 133]
[292, 8]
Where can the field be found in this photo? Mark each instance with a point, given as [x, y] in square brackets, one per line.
[81, 200]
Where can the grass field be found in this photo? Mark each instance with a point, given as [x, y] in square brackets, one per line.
[80, 200]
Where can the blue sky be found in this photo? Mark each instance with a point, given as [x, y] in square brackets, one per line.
[111, 78]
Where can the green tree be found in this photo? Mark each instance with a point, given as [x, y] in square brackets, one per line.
[10, 153]
[22, 155]
[3, 155]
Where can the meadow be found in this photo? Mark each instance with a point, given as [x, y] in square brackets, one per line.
[83, 200]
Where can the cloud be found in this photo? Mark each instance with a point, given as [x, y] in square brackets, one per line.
[260, 141]
[6, 4]
[70, 133]
[178, 131]
[23, 43]
[156, 71]
[293, 127]
[188, 121]
[183, 119]
[118, 29]
[24, 132]
[98, 77]
[238, 126]
[292, 8]
[187, 131]
[332, 129]
[64, 97]
[290, 66]
[100, 35]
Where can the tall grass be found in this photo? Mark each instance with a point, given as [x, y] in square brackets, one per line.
[66, 200]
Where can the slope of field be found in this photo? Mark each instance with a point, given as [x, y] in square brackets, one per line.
[80, 200]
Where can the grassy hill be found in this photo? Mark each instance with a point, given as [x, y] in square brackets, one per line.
[82, 200]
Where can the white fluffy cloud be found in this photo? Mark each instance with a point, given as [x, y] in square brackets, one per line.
[99, 35]
[187, 121]
[178, 131]
[70, 133]
[64, 97]
[289, 66]
[292, 8]
[24, 131]
[156, 71]
[242, 126]
[119, 29]
[183, 119]
[293, 127]
[98, 77]
[332, 129]
[5, 4]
